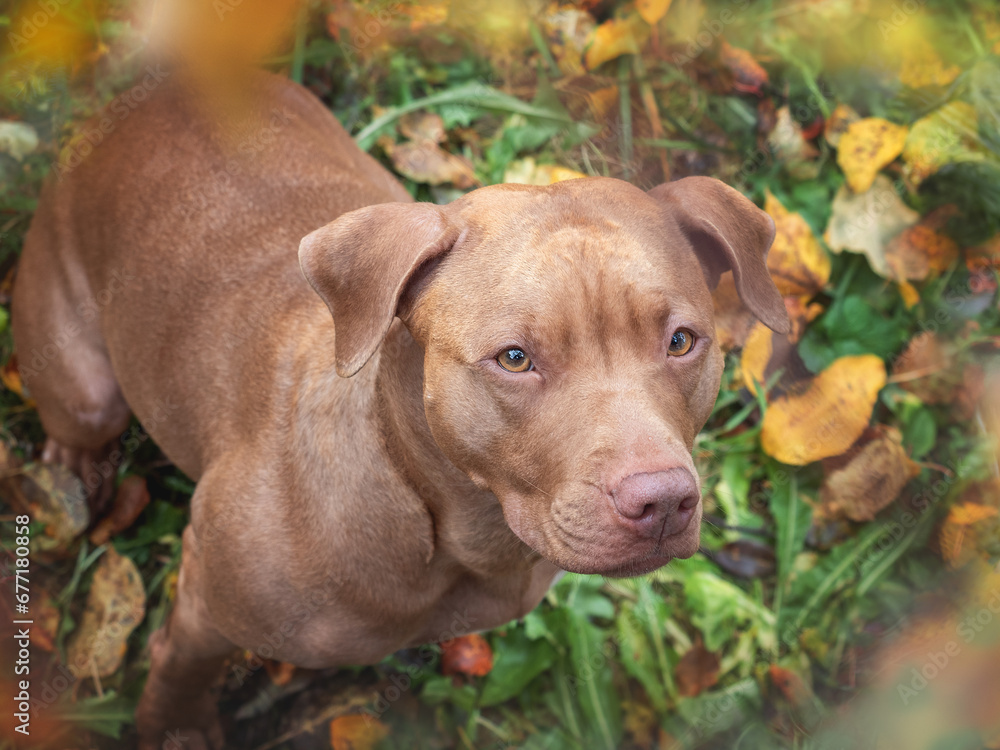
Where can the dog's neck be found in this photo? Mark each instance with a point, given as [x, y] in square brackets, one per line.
[469, 522]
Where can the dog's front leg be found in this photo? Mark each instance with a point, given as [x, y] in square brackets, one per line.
[178, 704]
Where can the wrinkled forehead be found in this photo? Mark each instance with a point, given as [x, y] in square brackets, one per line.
[569, 264]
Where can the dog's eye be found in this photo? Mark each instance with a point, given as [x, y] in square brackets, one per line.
[681, 342]
[514, 360]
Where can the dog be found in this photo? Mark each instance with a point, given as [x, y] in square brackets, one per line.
[423, 416]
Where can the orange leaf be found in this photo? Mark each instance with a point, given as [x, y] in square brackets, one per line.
[697, 670]
[357, 732]
[131, 498]
[967, 514]
[652, 10]
[467, 654]
[280, 672]
[915, 252]
[865, 147]
[614, 38]
[826, 418]
[748, 75]
[797, 263]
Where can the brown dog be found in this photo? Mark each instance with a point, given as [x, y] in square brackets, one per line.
[514, 386]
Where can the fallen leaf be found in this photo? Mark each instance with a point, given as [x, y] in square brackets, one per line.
[922, 249]
[280, 672]
[746, 558]
[54, 496]
[697, 670]
[424, 161]
[640, 722]
[623, 35]
[838, 122]
[748, 75]
[795, 690]
[527, 172]
[755, 356]
[568, 30]
[791, 148]
[467, 654]
[116, 605]
[828, 415]
[958, 541]
[866, 222]
[865, 147]
[17, 139]
[357, 732]
[948, 135]
[870, 480]
[797, 263]
[923, 66]
[10, 376]
[652, 10]
[131, 497]
[983, 262]
[927, 368]
[45, 613]
[801, 312]
[422, 126]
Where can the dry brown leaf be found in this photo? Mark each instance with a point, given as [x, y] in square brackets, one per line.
[615, 37]
[865, 147]
[797, 263]
[425, 161]
[357, 732]
[922, 249]
[866, 222]
[697, 670]
[923, 66]
[748, 75]
[652, 10]
[422, 126]
[45, 613]
[131, 497]
[53, 495]
[872, 479]
[927, 368]
[116, 605]
[467, 654]
[947, 135]
[838, 122]
[828, 416]
[983, 262]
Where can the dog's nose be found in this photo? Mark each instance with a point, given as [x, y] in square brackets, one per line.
[655, 502]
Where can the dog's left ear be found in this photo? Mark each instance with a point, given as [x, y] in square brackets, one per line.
[361, 263]
[728, 232]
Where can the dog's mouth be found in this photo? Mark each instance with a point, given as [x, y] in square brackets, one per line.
[603, 547]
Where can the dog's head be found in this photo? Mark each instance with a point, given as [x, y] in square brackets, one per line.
[569, 346]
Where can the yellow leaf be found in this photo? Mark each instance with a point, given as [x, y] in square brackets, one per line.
[797, 263]
[356, 732]
[967, 514]
[865, 147]
[756, 354]
[947, 135]
[922, 66]
[652, 10]
[116, 605]
[614, 38]
[828, 416]
[909, 294]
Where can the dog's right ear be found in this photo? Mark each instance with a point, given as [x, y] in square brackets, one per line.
[360, 265]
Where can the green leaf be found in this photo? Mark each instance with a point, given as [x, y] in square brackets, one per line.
[440, 689]
[595, 694]
[638, 656]
[517, 661]
[920, 433]
[792, 516]
[718, 607]
[105, 715]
